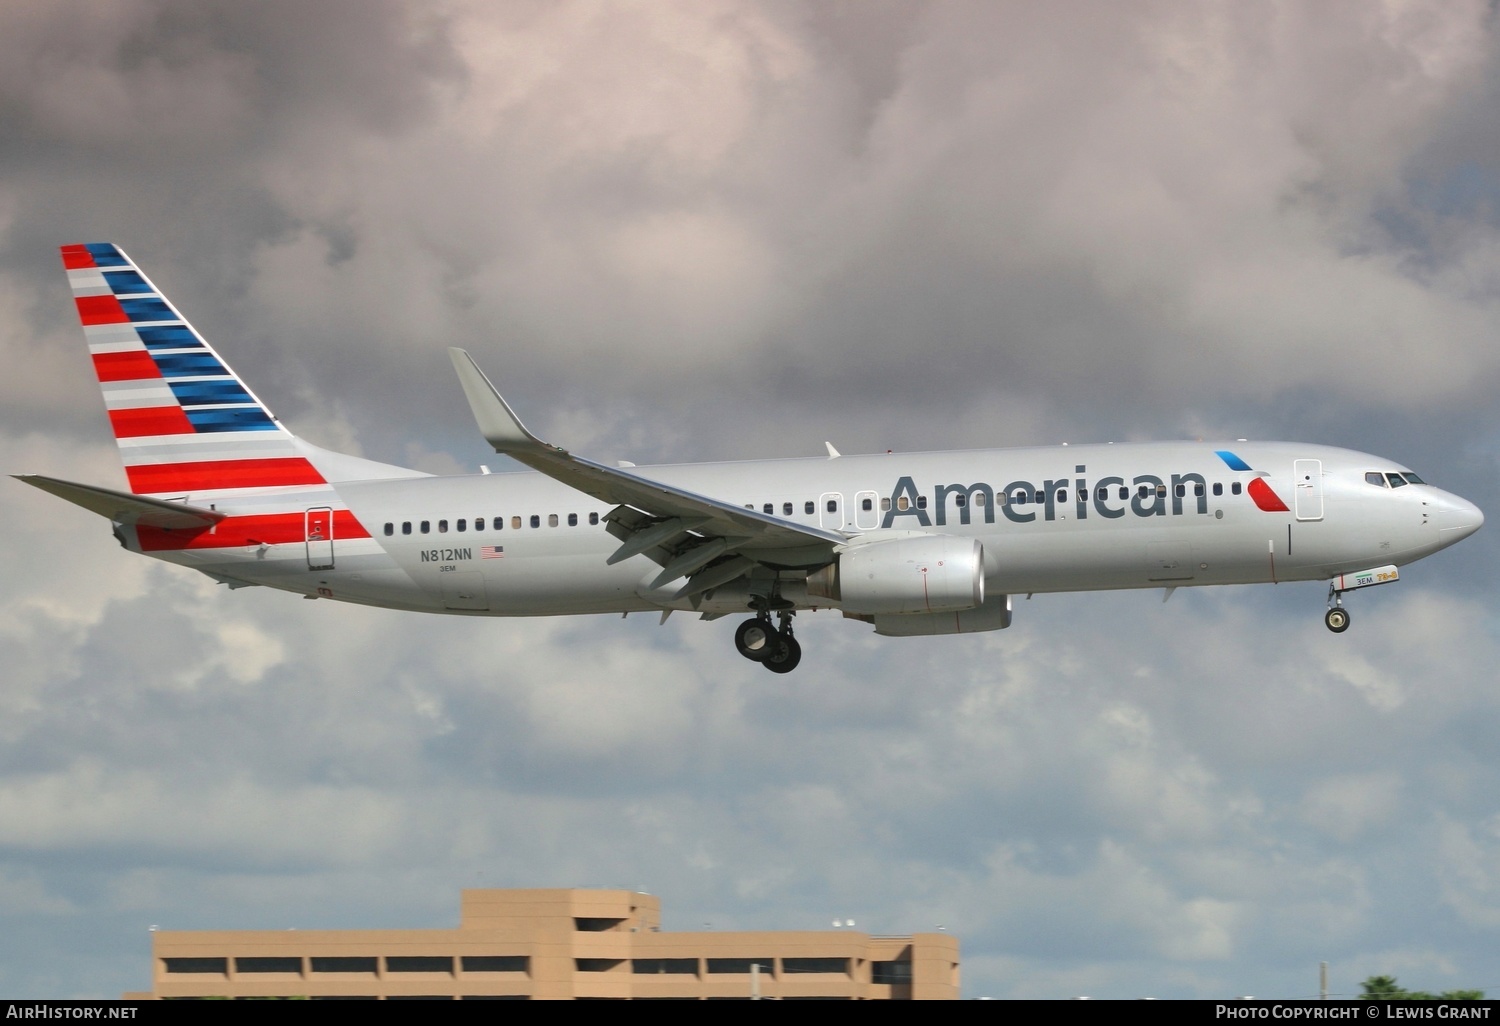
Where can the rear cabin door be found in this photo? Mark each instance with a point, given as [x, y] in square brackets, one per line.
[318, 523]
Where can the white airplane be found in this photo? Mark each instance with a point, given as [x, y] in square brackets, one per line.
[913, 543]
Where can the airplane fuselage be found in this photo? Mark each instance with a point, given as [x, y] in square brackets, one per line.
[1050, 519]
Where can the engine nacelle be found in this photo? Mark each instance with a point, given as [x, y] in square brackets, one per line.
[994, 615]
[926, 574]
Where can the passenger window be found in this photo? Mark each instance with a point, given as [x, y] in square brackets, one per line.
[786, 509]
[903, 503]
[1145, 490]
[1161, 491]
[885, 504]
[406, 527]
[1181, 490]
[958, 500]
[593, 519]
[551, 519]
[1198, 488]
[1083, 495]
[807, 507]
[479, 523]
[1234, 489]
[515, 522]
[1020, 499]
[442, 527]
[1218, 488]
[979, 499]
[1374, 478]
[921, 502]
[1041, 496]
[462, 525]
[1124, 493]
[390, 529]
[426, 527]
[536, 521]
[572, 519]
[1062, 495]
[768, 508]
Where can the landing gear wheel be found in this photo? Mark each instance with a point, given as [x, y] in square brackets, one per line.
[1337, 619]
[756, 639]
[785, 654]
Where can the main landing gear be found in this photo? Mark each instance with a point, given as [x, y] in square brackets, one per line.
[772, 647]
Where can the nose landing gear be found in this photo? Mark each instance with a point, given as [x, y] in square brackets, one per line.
[1337, 619]
[774, 648]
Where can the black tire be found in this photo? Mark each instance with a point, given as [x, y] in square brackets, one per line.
[1337, 619]
[755, 639]
[785, 655]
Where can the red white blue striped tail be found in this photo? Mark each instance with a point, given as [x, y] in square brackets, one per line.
[185, 422]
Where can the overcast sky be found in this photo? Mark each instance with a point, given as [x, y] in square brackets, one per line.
[688, 231]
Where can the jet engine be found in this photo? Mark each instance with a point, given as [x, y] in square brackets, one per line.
[924, 574]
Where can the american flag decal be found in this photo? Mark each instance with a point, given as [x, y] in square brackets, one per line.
[492, 552]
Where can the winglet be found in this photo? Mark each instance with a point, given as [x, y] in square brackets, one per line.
[497, 421]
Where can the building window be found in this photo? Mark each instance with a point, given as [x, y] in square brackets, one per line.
[598, 965]
[343, 963]
[196, 965]
[898, 971]
[664, 966]
[739, 966]
[268, 964]
[419, 963]
[496, 964]
[815, 965]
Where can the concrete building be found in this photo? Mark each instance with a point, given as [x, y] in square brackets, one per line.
[552, 944]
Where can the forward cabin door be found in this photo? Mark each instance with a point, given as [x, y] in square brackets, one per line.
[318, 523]
[1307, 496]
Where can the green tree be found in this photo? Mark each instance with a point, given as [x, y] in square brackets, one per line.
[1385, 988]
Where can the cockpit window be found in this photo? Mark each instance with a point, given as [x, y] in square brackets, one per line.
[1375, 478]
[1412, 478]
[1396, 480]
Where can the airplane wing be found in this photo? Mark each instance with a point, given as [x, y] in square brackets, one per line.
[124, 508]
[681, 530]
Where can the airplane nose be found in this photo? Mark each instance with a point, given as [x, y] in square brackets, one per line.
[1457, 520]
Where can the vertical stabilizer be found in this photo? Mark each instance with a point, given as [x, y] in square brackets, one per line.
[185, 422]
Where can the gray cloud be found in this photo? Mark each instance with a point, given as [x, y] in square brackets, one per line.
[721, 231]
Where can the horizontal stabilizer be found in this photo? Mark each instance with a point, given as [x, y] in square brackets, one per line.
[124, 508]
